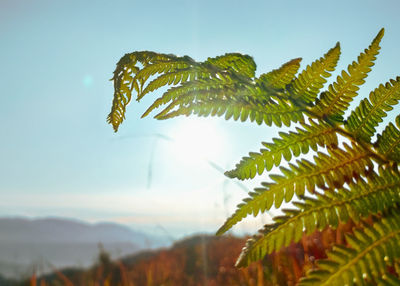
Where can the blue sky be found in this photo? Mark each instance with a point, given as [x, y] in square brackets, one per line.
[60, 158]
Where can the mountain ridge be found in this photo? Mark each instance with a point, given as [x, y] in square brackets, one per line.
[60, 242]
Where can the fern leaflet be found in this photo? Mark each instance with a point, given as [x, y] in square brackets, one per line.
[279, 78]
[371, 250]
[273, 112]
[307, 85]
[379, 193]
[238, 63]
[369, 113]
[337, 98]
[327, 172]
[388, 143]
[296, 143]
[174, 70]
[125, 80]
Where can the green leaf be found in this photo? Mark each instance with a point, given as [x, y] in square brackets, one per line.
[369, 113]
[388, 143]
[307, 85]
[328, 171]
[292, 143]
[383, 187]
[384, 232]
[279, 78]
[335, 101]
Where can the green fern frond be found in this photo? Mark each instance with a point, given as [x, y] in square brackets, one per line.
[388, 144]
[125, 80]
[388, 279]
[292, 143]
[175, 77]
[242, 64]
[134, 70]
[227, 86]
[205, 90]
[276, 112]
[175, 67]
[190, 90]
[335, 101]
[372, 249]
[363, 120]
[279, 78]
[379, 193]
[307, 85]
[180, 71]
[184, 68]
[329, 171]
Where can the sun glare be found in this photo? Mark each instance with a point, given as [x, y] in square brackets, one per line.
[197, 139]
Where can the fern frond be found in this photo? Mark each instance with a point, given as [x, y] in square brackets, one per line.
[125, 80]
[270, 112]
[205, 90]
[134, 70]
[335, 101]
[372, 249]
[363, 120]
[388, 143]
[307, 85]
[185, 68]
[388, 279]
[227, 86]
[238, 63]
[292, 143]
[329, 171]
[189, 91]
[279, 78]
[175, 77]
[222, 66]
[379, 193]
[179, 64]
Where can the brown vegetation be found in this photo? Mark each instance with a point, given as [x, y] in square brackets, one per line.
[201, 260]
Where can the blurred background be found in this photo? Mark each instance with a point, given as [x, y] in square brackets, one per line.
[68, 182]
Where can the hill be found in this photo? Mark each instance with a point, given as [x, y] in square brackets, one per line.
[40, 243]
[193, 261]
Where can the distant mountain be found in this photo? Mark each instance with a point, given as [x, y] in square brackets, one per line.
[196, 260]
[41, 243]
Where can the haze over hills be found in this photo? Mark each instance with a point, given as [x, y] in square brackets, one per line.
[42, 243]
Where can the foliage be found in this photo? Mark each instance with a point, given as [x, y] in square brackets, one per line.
[352, 179]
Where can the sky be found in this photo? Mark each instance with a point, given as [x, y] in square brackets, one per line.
[59, 157]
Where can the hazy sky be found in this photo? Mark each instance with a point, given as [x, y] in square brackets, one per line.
[58, 156]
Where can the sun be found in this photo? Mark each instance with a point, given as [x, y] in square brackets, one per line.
[197, 139]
